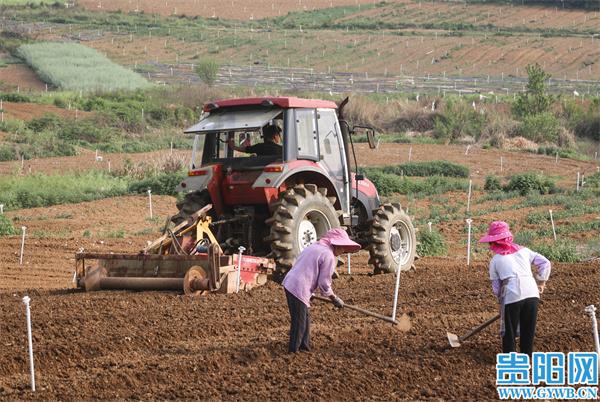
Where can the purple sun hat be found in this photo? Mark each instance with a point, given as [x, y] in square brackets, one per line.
[339, 237]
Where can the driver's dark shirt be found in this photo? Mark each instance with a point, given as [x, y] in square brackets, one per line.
[264, 149]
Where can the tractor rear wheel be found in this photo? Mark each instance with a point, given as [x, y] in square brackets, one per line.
[392, 239]
[302, 215]
[191, 203]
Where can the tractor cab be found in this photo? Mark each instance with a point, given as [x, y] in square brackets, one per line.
[277, 172]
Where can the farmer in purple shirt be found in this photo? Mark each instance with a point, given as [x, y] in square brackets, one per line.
[313, 269]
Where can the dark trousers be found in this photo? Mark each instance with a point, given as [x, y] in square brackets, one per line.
[522, 314]
[300, 327]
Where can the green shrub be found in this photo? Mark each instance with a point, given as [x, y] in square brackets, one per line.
[534, 100]
[542, 127]
[528, 182]
[6, 227]
[588, 127]
[14, 97]
[525, 238]
[458, 120]
[7, 153]
[47, 121]
[163, 183]
[559, 251]
[207, 70]
[59, 102]
[492, 183]
[12, 125]
[562, 153]
[431, 244]
[425, 169]
[593, 180]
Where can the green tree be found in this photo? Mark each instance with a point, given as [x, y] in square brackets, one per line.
[207, 70]
[534, 100]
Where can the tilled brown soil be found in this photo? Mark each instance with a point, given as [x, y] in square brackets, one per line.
[113, 345]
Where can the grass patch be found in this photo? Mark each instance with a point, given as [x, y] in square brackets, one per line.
[391, 183]
[559, 251]
[423, 169]
[39, 190]
[6, 227]
[73, 66]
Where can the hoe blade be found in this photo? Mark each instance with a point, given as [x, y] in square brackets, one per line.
[453, 339]
[403, 323]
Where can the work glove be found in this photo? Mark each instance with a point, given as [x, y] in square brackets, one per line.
[337, 302]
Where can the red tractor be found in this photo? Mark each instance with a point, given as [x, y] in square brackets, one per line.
[276, 199]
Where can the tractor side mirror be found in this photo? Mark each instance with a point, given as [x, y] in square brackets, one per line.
[370, 132]
[359, 177]
[373, 143]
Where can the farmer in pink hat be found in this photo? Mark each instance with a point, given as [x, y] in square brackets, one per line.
[313, 270]
[515, 286]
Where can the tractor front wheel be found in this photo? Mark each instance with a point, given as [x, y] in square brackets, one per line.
[301, 216]
[393, 240]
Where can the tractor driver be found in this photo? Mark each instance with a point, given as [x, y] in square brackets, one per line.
[270, 146]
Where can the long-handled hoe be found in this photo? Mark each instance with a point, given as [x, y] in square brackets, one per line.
[402, 324]
[455, 340]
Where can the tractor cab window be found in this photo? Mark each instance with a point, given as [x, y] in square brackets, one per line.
[244, 137]
[306, 132]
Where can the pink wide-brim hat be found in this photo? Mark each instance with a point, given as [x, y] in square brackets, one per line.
[498, 230]
[339, 237]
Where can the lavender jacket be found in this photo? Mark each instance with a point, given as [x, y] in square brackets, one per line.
[313, 269]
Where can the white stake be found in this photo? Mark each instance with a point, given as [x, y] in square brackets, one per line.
[23, 229]
[469, 195]
[591, 310]
[150, 201]
[501, 164]
[552, 221]
[1, 209]
[429, 224]
[349, 269]
[409, 154]
[109, 166]
[26, 300]
[241, 249]
[396, 288]
[469, 221]
[467, 150]
[556, 159]
[171, 147]
[577, 187]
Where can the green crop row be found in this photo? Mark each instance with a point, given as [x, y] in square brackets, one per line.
[73, 66]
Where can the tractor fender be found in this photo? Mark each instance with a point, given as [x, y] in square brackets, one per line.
[300, 172]
[369, 203]
[197, 180]
[367, 195]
